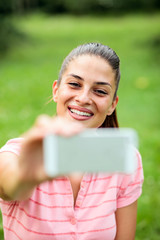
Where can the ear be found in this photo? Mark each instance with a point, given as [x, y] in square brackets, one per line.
[55, 91]
[113, 106]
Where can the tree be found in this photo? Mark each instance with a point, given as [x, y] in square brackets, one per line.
[9, 33]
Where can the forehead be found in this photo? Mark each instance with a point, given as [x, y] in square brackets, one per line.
[90, 66]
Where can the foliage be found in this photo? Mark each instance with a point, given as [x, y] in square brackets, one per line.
[9, 33]
[78, 6]
[28, 71]
[90, 6]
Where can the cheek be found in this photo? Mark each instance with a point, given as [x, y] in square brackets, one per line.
[103, 106]
[63, 95]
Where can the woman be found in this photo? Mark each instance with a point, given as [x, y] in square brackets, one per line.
[86, 206]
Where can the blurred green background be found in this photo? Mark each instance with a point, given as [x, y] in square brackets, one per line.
[36, 35]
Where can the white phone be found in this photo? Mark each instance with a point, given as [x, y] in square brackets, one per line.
[94, 150]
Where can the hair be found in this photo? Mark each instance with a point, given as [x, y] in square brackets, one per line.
[109, 55]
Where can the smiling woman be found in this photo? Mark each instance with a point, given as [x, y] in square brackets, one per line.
[95, 55]
[86, 91]
[77, 206]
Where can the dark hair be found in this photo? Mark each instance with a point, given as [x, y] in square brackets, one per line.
[106, 53]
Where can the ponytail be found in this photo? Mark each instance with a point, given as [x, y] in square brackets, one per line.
[111, 121]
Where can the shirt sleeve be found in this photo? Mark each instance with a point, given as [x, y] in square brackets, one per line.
[131, 185]
[13, 146]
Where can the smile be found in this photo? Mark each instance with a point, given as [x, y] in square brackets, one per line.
[79, 113]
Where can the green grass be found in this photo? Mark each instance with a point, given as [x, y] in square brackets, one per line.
[27, 73]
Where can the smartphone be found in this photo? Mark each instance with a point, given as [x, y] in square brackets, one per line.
[106, 150]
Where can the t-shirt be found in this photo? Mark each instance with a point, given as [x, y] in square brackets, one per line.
[50, 214]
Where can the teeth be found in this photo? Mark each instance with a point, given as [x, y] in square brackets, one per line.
[80, 113]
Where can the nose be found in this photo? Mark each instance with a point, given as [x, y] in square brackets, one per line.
[83, 97]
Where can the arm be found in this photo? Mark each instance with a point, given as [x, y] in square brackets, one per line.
[126, 218]
[11, 186]
[20, 174]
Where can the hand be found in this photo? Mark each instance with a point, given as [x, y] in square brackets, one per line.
[31, 155]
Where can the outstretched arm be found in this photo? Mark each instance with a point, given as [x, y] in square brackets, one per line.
[20, 174]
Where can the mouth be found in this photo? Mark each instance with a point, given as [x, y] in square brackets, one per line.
[79, 113]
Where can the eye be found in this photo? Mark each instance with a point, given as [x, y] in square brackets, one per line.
[74, 84]
[100, 92]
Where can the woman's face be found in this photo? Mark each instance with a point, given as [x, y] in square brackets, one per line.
[86, 91]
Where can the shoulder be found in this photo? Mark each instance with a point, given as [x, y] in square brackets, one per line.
[12, 146]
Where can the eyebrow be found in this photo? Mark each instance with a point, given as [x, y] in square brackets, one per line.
[103, 83]
[76, 76]
[80, 78]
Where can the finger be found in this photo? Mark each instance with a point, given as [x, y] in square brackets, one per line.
[65, 127]
[40, 128]
[45, 125]
[43, 121]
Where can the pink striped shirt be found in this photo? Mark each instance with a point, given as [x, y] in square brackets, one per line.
[49, 214]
